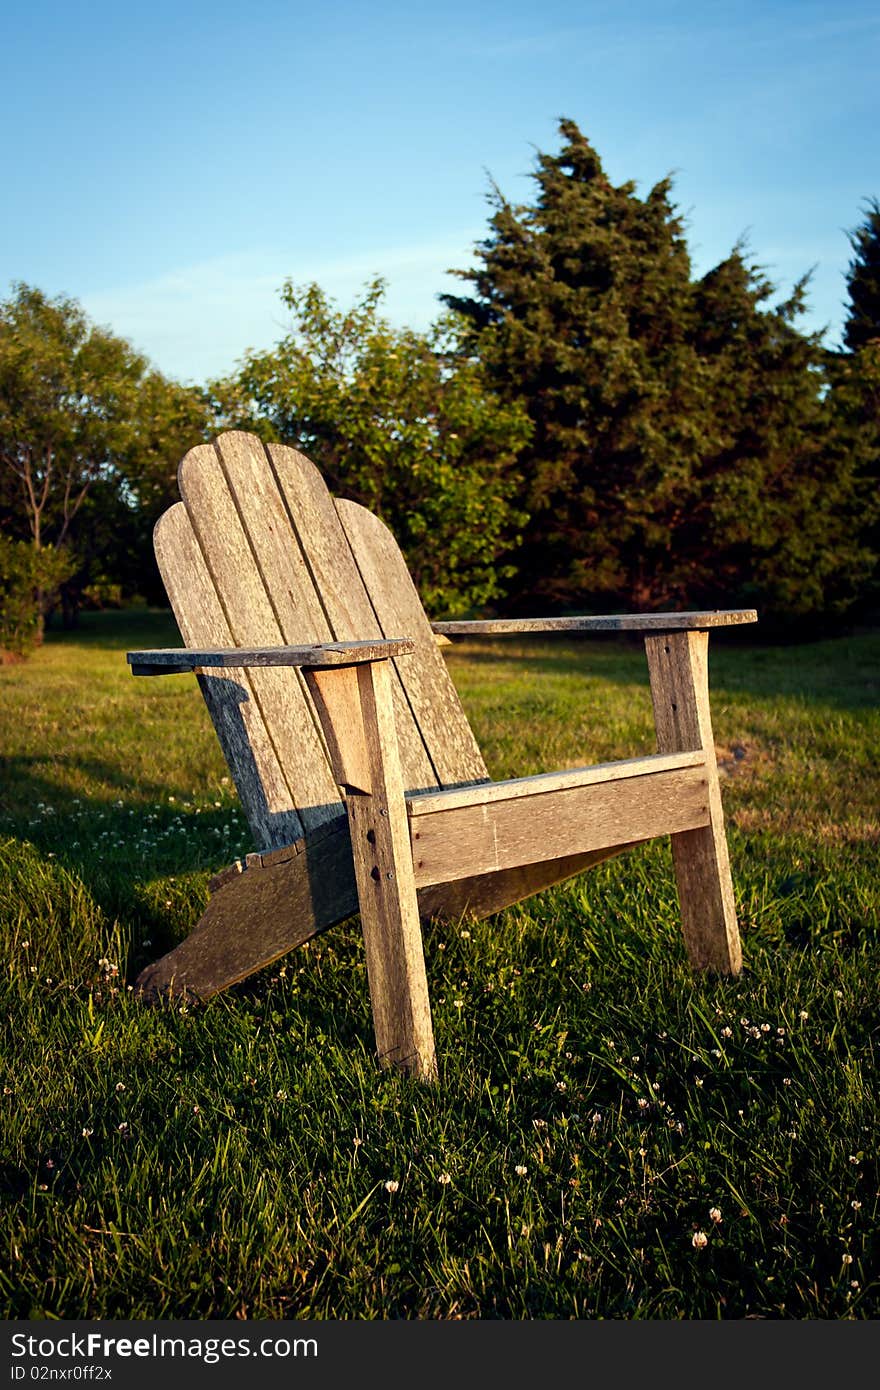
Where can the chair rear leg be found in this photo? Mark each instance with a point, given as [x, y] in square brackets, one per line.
[678, 666]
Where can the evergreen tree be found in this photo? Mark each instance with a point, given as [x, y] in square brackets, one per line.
[863, 282]
[678, 455]
[855, 378]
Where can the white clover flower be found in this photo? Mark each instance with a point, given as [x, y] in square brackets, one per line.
[643, 1104]
[392, 1185]
[715, 1215]
[120, 1085]
[699, 1240]
[520, 1170]
[87, 1133]
[847, 1258]
[444, 1179]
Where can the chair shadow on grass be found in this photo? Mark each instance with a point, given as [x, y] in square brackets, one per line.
[114, 851]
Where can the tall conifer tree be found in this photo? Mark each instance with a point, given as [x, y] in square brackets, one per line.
[863, 282]
[679, 425]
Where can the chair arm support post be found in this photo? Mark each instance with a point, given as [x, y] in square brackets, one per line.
[356, 711]
[678, 668]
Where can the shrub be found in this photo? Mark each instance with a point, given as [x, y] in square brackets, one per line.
[27, 576]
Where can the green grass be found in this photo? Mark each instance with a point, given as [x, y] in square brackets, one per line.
[597, 1101]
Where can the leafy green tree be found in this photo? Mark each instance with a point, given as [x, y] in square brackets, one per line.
[397, 422]
[678, 454]
[67, 398]
[87, 432]
[863, 282]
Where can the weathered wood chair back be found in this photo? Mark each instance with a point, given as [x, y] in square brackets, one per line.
[258, 553]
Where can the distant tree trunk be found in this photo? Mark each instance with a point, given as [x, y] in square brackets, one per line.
[71, 602]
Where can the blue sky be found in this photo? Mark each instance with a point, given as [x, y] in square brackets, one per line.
[169, 165]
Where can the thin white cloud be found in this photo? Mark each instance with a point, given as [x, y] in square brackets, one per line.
[195, 322]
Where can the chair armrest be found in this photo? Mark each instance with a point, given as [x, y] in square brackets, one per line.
[613, 622]
[167, 661]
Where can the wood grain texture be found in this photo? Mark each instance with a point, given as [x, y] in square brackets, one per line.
[386, 890]
[336, 695]
[678, 666]
[290, 588]
[250, 754]
[468, 840]
[241, 589]
[481, 895]
[434, 701]
[258, 915]
[173, 660]
[607, 622]
[426, 803]
[340, 588]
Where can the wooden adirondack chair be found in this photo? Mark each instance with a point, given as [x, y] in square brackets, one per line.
[354, 761]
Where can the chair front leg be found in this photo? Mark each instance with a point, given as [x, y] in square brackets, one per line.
[678, 666]
[355, 708]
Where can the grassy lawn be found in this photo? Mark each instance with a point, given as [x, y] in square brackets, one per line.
[612, 1137]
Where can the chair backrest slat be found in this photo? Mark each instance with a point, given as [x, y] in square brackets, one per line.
[259, 778]
[433, 698]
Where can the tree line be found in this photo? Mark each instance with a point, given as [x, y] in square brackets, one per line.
[588, 424]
